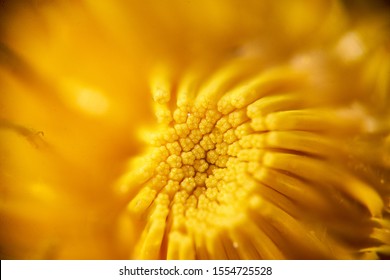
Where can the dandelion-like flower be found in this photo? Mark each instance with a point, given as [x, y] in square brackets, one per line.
[255, 132]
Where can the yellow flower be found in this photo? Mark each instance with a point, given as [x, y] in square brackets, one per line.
[194, 129]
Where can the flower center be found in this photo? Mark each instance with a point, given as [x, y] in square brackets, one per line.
[196, 162]
[198, 178]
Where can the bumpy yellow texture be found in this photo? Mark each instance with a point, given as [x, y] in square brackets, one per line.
[194, 130]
